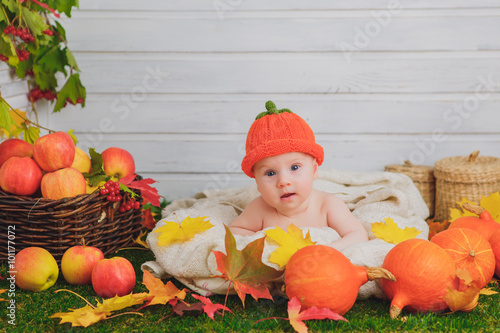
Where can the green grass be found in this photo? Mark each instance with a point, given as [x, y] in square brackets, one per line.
[33, 310]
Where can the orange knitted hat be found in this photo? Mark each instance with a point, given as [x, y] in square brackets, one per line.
[275, 132]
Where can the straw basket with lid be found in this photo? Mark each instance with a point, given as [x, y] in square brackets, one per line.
[423, 178]
[467, 177]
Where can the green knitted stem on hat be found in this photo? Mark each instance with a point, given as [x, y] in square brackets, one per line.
[271, 109]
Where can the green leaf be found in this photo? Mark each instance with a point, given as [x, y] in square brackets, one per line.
[51, 59]
[73, 137]
[35, 22]
[71, 59]
[45, 80]
[63, 6]
[6, 121]
[97, 175]
[31, 133]
[6, 47]
[72, 89]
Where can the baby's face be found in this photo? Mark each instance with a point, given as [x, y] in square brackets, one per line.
[285, 181]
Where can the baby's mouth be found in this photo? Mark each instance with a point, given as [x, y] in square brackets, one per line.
[287, 195]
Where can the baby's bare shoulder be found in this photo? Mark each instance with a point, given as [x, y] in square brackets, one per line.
[325, 198]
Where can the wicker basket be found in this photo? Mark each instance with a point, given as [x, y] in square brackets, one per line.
[423, 178]
[57, 225]
[467, 177]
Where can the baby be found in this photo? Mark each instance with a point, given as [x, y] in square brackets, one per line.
[283, 157]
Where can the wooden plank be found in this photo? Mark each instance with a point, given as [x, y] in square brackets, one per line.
[435, 72]
[233, 114]
[194, 166]
[245, 5]
[223, 153]
[290, 32]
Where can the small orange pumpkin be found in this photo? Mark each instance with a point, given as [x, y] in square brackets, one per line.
[321, 276]
[423, 272]
[470, 250]
[495, 246]
[484, 224]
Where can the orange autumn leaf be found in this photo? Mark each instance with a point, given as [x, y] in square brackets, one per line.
[160, 293]
[245, 269]
[297, 317]
[463, 294]
[435, 227]
[1, 292]
[90, 314]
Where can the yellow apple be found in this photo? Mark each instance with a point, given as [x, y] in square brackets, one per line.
[92, 189]
[34, 269]
[82, 161]
[78, 262]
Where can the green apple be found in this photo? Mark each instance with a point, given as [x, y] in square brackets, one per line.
[35, 269]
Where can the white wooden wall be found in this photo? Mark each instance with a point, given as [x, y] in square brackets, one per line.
[178, 83]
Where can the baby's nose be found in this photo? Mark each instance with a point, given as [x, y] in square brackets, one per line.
[283, 181]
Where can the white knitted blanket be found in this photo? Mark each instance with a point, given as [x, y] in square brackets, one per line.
[371, 196]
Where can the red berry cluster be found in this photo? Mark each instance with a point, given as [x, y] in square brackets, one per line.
[22, 33]
[48, 32]
[22, 54]
[79, 100]
[112, 192]
[36, 94]
[4, 58]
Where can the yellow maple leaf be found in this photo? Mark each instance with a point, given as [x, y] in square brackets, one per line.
[289, 242]
[140, 241]
[391, 233]
[90, 314]
[173, 232]
[18, 118]
[491, 203]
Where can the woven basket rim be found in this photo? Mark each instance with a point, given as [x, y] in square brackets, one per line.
[459, 169]
[419, 173]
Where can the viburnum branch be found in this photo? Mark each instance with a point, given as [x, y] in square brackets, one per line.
[24, 118]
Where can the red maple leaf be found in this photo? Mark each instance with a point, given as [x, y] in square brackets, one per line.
[147, 219]
[209, 307]
[149, 193]
[296, 317]
[245, 268]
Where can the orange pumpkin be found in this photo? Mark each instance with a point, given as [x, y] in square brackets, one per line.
[423, 272]
[495, 246]
[321, 276]
[484, 224]
[470, 250]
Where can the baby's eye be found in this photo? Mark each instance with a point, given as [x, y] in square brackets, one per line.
[295, 167]
[270, 173]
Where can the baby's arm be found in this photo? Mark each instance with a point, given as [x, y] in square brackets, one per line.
[343, 221]
[249, 221]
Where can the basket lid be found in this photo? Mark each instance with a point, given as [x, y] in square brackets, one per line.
[468, 169]
[421, 173]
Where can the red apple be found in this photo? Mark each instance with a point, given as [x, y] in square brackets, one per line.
[117, 163]
[20, 176]
[14, 147]
[54, 151]
[111, 277]
[34, 269]
[63, 183]
[78, 262]
[82, 161]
